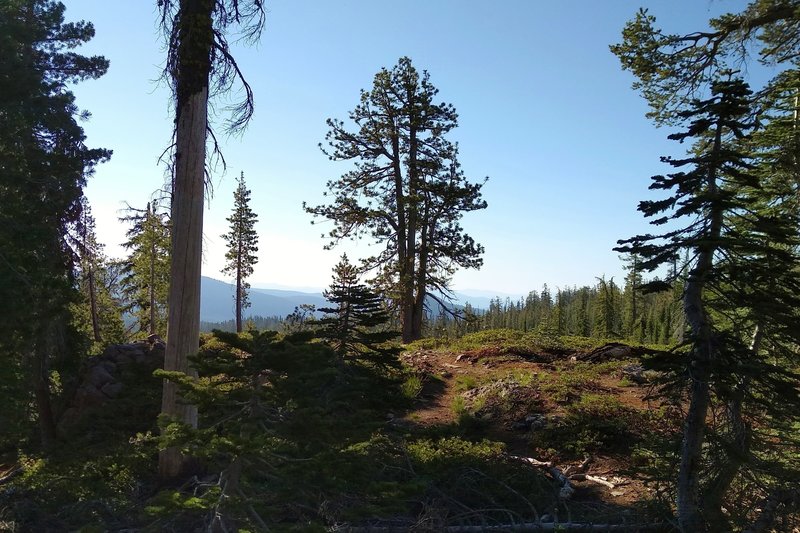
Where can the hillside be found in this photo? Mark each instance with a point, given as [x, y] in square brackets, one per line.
[497, 428]
[217, 305]
[217, 301]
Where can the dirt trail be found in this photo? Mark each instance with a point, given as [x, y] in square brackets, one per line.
[448, 375]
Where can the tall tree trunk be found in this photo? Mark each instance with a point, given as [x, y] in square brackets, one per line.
[737, 455]
[40, 381]
[93, 301]
[690, 518]
[195, 40]
[239, 288]
[151, 290]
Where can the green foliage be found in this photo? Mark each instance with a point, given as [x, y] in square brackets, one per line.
[517, 341]
[411, 386]
[242, 242]
[728, 211]
[145, 272]
[45, 163]
[98, 313]
[99, 474]
[603, 311]
[594, 424]
[407, 190]
[357, 326]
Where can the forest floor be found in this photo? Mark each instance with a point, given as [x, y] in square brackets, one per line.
[580, 416]
[497, 427]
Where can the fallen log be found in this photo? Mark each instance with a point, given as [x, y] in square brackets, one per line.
[525, 527]
[594, 479]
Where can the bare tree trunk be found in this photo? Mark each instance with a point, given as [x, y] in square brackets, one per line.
[239, 290]
[184, 292]
[191, 75]
[151, 291]
[93, 302]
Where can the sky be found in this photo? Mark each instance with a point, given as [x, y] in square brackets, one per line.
[545, 112]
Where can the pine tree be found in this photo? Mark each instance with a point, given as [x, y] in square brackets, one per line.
[44, 163]
[146, 270]
[242, 242]
[99, 313]
[633, 309]
[606, 310]
[355, 327]
[739, 296]
[407, 191]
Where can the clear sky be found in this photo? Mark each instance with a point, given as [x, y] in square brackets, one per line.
[545, 112]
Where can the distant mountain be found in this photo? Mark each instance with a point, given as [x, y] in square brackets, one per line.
[216, 303]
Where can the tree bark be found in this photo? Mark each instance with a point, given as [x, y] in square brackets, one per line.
[151, 290]
[184, 292]
[93, 301]
[41, 390]
[195, 40]
[239, 287]
[688, 506]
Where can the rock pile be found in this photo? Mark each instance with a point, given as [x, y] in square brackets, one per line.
[102, 377]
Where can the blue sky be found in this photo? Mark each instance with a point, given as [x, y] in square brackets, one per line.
[545, 112]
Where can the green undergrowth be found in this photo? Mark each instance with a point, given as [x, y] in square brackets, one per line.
[98, 473]
[292, 438]
[516, 341]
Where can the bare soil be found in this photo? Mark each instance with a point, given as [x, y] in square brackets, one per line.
[448, 376]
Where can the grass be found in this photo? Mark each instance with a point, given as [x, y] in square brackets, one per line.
[411, 386]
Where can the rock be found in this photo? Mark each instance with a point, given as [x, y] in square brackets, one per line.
[634, 373]
[112, 390]
[68, 418]
[99, 376]
[88, 396]
[530, 422]
[536, 421]
[109, 366]
[461, 357]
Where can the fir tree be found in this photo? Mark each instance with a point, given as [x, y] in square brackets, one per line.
[739, 297]
[355, 326]
[99, 313]
[242, 242]
[44, 163]
[145, 272]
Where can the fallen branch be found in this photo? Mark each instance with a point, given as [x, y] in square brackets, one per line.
[594, 479]
[578, 469]
[521, 527]
[566, 489]
[11, 474]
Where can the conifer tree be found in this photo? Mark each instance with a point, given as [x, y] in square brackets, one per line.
[407, 191]
[45, 163]
[607, 309]
[355, 326]
[633, 312]
[99, 313]
[242, 242]
[740, 293]
[145, 272]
